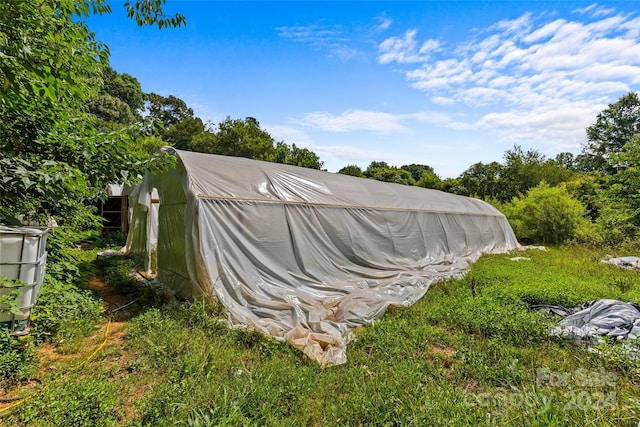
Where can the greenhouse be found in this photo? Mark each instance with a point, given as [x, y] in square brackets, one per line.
[300, 254]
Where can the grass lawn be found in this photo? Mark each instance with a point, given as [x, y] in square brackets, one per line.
[468, 353]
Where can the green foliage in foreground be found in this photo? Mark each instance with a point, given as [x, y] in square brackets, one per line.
[16, 359]
[85, 402]
[468, 353]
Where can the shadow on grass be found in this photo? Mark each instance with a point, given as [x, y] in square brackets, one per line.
[125, 290]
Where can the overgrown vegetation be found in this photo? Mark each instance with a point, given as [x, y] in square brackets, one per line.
[548, 215]
[470, 352]
[16, 359]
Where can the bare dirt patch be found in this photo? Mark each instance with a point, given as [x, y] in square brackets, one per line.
[443, 350]
[112, 299]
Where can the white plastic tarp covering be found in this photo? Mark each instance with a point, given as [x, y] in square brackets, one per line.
[301, 254]
[114, 190]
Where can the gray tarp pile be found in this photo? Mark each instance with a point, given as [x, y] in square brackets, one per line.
[626, 262]
[594, 319]
[300, 254]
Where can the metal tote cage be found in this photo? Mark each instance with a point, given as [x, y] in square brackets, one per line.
[23, 257]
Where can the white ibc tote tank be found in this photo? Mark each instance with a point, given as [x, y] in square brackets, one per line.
[23, 257]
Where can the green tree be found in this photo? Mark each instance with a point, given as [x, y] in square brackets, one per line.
[620, 216]
[179, 122]
[119, 101]
[169, 110]
[150, 12]
[587, 188]
[417, 170]
[482, 180]
[45, 88]
[181, 134]
[566, 160]
[352, 170]
[453, 186]
[124, 87]
[381, 171]
[296, 156]
[39, 61]
[37, 42]
[521, 171]
[110, 109]
[376, 165]
[554, 173]
[613, 129]
[243, 138]
[52, 160]
[429, 179]
[546, 215]
[204, 142]
[149, 145]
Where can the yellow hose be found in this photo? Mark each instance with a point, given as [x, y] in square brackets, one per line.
[19, 402]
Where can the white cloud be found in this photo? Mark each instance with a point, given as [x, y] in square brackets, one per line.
[535, 77]
[435, 117]
[384, 23]
[546, 31]
[348, 153]
[442, 100]
[371, 121]
[514, 26]
[311, 33]
[595, 10]
[335, 156]
[289, 135]
[502, 81]
[444, 73]
[331, 38]
[561, 125]
[352, 120]
[405, 50]
[344, 52]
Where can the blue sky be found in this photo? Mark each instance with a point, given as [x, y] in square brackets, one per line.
[442, 83]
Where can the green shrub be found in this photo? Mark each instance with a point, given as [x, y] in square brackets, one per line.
[16, 358]
[547, 215]
[111, 239]
[63, 306]
[614, 226]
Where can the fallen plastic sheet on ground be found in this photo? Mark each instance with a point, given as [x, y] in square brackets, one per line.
[627, 262]
[595, 319]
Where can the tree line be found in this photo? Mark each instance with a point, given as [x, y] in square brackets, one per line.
[592, 197]
[121, 102]
[71, 124]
